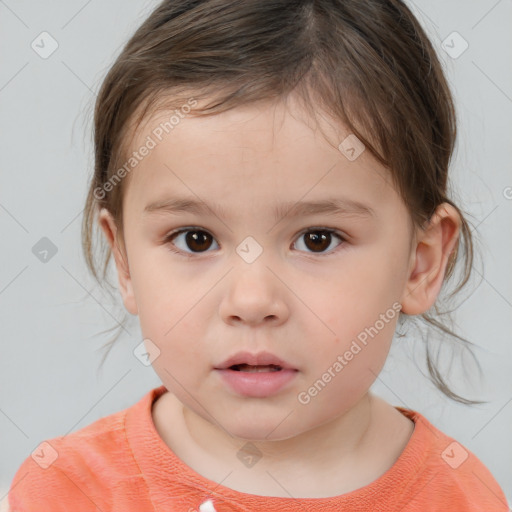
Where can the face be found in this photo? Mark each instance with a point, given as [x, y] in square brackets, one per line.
[254, 274]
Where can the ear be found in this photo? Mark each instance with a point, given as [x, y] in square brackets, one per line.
[109, 228]
[429, 259]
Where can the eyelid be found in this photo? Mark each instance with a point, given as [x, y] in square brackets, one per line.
[167, 240]
[333, 231]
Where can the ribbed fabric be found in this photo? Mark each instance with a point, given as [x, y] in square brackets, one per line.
[120, 463]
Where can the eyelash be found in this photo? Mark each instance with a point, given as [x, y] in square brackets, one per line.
[168, 240]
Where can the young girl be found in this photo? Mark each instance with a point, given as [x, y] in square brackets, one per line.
[271, 178]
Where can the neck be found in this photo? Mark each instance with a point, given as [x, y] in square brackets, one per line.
[336, 457]
[320, 462]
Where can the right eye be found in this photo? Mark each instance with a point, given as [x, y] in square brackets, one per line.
[195, 239]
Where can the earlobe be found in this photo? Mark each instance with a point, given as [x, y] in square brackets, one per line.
[109, 228]
[430, 258]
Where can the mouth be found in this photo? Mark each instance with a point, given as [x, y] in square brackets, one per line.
[259, 375]
[258, 362]
[257, 368]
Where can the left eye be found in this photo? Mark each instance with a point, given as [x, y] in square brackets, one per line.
[194, 239]
[319, 239]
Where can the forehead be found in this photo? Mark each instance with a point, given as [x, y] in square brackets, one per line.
[250, 154]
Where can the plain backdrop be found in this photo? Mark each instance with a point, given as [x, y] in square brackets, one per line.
[51, 310]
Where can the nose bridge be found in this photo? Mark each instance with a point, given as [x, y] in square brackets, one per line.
[252, 268]
[254, 293]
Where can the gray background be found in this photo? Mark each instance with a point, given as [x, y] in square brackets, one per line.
[52, 311]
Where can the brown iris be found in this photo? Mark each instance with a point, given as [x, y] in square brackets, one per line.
[317, 240]
[196, 240]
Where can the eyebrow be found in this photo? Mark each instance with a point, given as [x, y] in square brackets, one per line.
[331, 206]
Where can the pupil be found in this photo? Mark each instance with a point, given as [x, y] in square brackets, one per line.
[195, 239]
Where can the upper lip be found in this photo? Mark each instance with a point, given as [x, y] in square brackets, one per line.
[258, 359]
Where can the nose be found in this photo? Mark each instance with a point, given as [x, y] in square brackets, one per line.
[254, 295]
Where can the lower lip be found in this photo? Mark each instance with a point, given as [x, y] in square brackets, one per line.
[257, 384]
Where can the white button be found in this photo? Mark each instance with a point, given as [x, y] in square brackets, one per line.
[207, 506]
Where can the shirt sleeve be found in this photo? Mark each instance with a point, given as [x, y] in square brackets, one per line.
[35, 489]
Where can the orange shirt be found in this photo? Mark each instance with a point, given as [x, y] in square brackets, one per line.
[120, 463]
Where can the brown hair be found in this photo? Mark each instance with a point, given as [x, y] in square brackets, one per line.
[367, 64]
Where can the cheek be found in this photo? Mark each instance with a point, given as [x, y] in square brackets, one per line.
[339, 379]
[174, 309]
[164, 298]
[355, 301]
[359, 312]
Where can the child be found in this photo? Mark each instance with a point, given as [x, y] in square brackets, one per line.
[306, 145]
